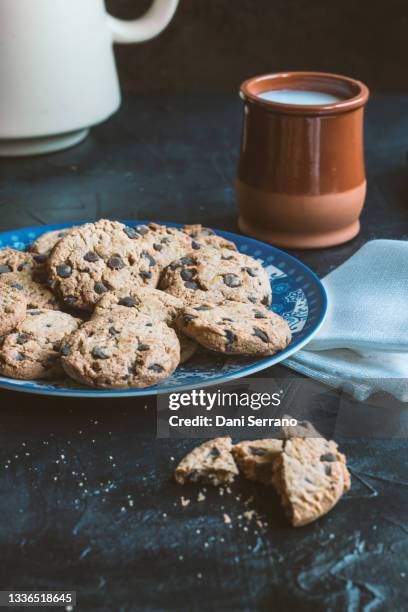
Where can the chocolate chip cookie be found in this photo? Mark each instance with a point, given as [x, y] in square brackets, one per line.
[204, 236]
[37, 295]
[13, 308]
[33, 349]
[310, 476]
[120, 352]
[140, 300]
[255, 458]
[211, 462]
[97, 258]
[210, 274]
[237, 328]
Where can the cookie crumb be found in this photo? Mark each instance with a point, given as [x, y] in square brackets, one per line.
[227, 519]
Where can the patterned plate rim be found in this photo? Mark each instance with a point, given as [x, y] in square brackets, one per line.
[31, 387]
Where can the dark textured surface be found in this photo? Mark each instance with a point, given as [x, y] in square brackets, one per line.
[213, 45]
[87, 500]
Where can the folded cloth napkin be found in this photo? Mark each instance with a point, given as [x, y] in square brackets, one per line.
[363, 344]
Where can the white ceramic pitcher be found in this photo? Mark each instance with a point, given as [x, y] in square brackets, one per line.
[57, 68]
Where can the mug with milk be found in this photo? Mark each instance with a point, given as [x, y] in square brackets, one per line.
[301, 178]
[57, 68]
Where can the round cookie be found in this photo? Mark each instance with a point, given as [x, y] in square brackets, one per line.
[33, 349]
[212, 274]
[163, 243]
[119, 352]
[97, 258]
[13, 308]
[140, 300]
[236, 328]
[204, 236]
[37, 295]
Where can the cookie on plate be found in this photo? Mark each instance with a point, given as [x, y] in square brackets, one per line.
[119, 352]
[164, 244]
[204, 236]
[97, 258]
[33, 350]
[13, 308]
[236, 328]
[37, 295]
[211, 462]
[310, 476]
[255, 458]
[211, 273]
[140, 300]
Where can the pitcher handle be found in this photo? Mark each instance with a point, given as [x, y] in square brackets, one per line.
[148, 26]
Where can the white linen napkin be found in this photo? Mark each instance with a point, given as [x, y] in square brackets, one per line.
[363, 344]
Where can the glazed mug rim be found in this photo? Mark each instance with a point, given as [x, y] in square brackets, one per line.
[324, 81]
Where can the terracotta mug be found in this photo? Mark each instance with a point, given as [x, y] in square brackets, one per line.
[301, 178]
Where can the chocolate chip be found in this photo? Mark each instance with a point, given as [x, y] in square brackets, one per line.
[143, 347]
[128, 301]
[251, 271]
[64, 271]
[91, 256]
[252, 299]
[259, 333]
[265, 300]
[40, 259]
[328, 457]
[191, 285]
[141, 229]
[70, 300]
[149, 325]
[196, 245]
[230, 337]
[131, 232]
[189, 317]
[214, 453]
[65, 350]
[19, 357]
[232, 280]
[99, 353]
[203, 307]
[5, 269]
[52, 302]
[100, 288]
[34, 313]
[113, 331]
[61, 234]
[186, 274]
[328, 470]
[194, 476]
[157, 247]
[227, 319]
[254, 450]
[18, 286]
[115, 262]
[174, 265]
[187, 261]
[155, 367]
[145, 274]
[259, 315]
[150, 259]
[22, 338]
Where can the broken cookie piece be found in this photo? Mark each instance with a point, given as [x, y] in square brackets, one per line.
[255, 458]
[310, 475]
[211, 462]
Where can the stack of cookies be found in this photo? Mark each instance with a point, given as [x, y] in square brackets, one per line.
[117, 307]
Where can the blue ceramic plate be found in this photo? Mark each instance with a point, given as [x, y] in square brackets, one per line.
[298, 296]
